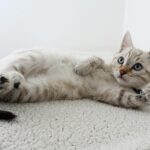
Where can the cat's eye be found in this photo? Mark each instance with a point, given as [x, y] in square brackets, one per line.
[137, 67]
[120, 60]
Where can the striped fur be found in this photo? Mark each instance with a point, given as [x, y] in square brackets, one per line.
[40, 75]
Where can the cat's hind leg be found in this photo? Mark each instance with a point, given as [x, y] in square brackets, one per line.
[88, 66]
[10, 80]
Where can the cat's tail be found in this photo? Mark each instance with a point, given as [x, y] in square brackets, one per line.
[6, 115]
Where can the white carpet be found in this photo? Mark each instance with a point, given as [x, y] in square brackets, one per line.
[75, 125]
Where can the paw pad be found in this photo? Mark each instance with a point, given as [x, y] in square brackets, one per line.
[3, 79]
[16, 85]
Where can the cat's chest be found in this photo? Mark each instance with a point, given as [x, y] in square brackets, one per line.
[61, 71]
[103, 76]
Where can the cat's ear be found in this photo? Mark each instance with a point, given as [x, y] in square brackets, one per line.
[126, 42]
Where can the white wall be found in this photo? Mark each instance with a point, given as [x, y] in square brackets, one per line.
[137, 21]
[83, 24]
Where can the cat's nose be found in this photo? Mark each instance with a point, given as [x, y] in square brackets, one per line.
[123, 70]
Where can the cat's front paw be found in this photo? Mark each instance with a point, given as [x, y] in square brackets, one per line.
[88, 66]
[82, 69]
[146, 92]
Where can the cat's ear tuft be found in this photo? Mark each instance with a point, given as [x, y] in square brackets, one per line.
[126, 42]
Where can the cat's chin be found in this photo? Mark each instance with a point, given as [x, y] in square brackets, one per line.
[123, 81]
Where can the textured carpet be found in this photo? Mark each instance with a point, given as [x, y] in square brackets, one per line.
[75, 125]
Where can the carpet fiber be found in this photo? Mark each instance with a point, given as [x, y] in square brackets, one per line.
[75, 125]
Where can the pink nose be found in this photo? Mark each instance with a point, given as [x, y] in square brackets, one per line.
[122, 72]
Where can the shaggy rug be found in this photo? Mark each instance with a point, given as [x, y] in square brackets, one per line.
[75, 125]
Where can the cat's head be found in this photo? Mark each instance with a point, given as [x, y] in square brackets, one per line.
[131, 66]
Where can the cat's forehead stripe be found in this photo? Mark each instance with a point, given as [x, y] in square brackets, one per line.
[138, 55]
[137, 59]
[147, 72]
[135, 55]
[130, 53]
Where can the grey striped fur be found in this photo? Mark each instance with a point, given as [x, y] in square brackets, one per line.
[45, 75]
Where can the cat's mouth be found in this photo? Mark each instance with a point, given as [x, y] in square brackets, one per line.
[122, 78]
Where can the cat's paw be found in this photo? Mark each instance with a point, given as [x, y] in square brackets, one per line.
[82, 69]
[143, 97]
[9, 81]
[146, 93]
[88, 66]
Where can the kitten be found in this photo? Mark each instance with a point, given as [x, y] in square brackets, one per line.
[36, 75]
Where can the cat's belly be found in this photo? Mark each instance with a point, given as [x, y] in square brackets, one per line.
[70, 85]
[66, 82]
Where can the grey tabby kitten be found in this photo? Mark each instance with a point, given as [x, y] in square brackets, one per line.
[37, 75]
